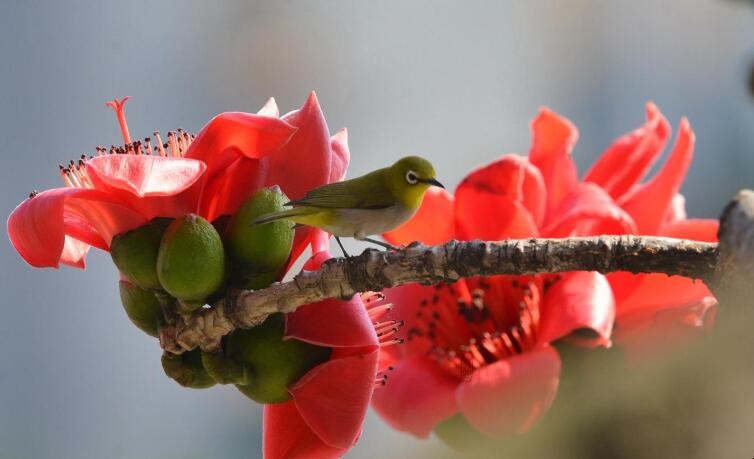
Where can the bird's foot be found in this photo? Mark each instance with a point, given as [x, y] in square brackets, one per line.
[340, 244]
[381, 244]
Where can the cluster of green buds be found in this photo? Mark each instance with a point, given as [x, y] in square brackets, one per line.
[179, 265]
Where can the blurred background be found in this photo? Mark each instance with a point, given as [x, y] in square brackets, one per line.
[454, 81]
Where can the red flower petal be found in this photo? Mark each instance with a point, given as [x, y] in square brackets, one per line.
[482, 215]
[332, 323]
[340, 156]
[287, 436]
[406, 300]
[649, 203]
[658, 291]
[418, 395]
[698, 229]
[588, 211]
[253, 136]
[629, 158]
[432, 224]
[304, 162]
[676, 211]
[224, 192]
[511, 395]
[579, 300]
[74, 253]
[554, 138]
[145, 175]
[333, 397]
[270, 108]
[515, 177]
[38, 226]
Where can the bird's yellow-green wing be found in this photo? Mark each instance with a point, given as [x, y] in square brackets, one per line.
[366, 192]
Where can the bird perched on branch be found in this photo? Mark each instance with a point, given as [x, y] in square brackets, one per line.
[363, 206]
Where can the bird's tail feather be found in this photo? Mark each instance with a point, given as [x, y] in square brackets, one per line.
[283, 214]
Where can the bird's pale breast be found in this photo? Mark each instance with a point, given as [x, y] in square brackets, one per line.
[367, 222]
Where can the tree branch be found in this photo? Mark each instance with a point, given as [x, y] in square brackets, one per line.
[375, 270]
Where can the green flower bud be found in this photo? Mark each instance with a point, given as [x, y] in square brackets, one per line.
[223, 369]
[187, 369]
[271, 363]
[135, 253]
[191, 260]
[142, 307]
[260, 248]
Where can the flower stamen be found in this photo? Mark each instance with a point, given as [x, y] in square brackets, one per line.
[75, 174]
[494, 328]
[119, 106]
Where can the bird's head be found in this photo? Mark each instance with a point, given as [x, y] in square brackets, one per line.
[409, 179]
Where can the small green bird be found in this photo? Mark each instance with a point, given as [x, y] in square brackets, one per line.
[371, 204]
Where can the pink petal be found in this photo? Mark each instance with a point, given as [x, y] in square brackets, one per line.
[511, 395]
[650, 292]
[629, 158]
[656, 291]
[483, 215]
[554, 139]
[333, 397]
[145, 175]
[432, 224]
[304, 237]
[515, 177]
[225, 191]
[676, 211]
[588, 211]
[653, 292]
[698, 229]
[286, 435]
[74, 253]
[332, 323]
[253, 136]
[304, 162]
[270, 108]
[406, 301]
[38, 226]
[577, 301]
[622, 283]
[648, 203]
[320, 242]
[417, 396]
[340, 156]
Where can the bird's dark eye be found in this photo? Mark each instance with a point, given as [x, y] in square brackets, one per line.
[411, 178]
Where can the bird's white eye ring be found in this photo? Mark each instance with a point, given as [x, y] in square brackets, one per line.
[411, 178]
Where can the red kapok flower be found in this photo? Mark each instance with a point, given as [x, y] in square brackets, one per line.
[481, 346]
[124, 187]
[106, 194]
[330, 401]
[245, 152]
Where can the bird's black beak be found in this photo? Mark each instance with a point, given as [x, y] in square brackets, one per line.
[434, 182]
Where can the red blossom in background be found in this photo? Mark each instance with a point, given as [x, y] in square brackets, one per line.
[481, 346]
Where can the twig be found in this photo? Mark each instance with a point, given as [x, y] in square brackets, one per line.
[375, 270]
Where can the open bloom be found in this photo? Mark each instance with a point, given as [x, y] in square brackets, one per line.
[482, 347]
[211, 174]
[330, 401]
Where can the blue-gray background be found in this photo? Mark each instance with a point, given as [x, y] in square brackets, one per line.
[455, 81]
